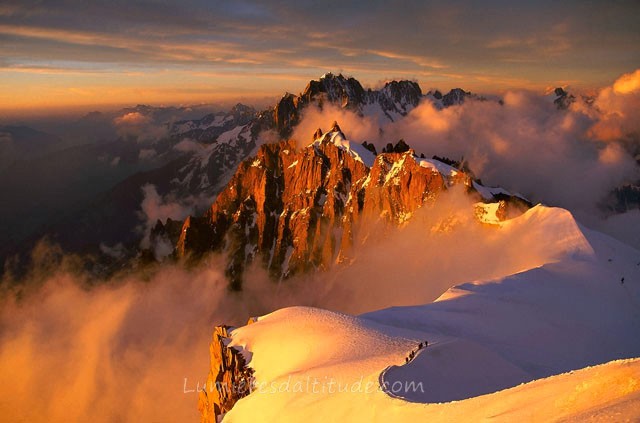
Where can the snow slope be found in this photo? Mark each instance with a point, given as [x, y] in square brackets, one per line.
[568, 313]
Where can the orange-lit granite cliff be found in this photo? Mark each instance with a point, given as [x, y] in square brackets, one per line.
[229, 378]
[297, 209]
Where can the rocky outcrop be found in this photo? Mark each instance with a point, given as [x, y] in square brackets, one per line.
[398, 185]
[396, 98]
[345, 92]
[623, 199]
[221, 152]
[401, 93]
[454, 97]
[286, 113]
[229, 379]
[563, 99]
[169, 230]
[280, 206]
[299, 209]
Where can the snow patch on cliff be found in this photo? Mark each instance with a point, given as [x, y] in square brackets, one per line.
[355, 150]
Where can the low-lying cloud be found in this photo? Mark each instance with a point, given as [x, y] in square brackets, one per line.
[119, 351]
[188, 146]
[618, 107]
[361, 128]
[139, 127]
[440, 246]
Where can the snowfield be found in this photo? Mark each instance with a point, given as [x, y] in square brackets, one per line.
[503, 349]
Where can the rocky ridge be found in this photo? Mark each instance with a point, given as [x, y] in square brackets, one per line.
[300, 209]
[229, 379]
[395, 99]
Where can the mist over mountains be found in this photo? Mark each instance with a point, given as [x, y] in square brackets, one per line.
[387, 202]
[142, 165]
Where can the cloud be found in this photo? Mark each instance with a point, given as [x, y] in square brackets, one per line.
[628, 83]
[117, 251]
[170, 44]
[525, 145]
[147, 153]
[155, 207]
[139, 127]
[617, 111]
[623, 227]
[132, 118]
[120, 351]
[188, 146]
[356, 127]
[441, 246]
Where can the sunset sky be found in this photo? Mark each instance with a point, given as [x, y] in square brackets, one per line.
[63, 54]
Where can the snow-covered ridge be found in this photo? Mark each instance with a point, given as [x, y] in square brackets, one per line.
[484, 339]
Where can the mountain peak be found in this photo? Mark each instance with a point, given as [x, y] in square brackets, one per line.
[454, 97]
[317, 134]
[563, 99]
[395, 99]
[242, 108]
[346, 92]
[298, 209]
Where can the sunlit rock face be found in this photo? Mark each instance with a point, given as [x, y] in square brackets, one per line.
[229, 378]
[300, 209]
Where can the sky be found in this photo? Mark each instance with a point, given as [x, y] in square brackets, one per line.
[68, 54]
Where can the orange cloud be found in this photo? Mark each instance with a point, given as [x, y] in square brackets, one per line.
[628, 83]
[618, 107]
[418, 60]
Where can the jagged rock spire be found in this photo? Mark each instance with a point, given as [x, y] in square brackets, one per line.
[335, 127]
[317, 134]
[396, 97]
